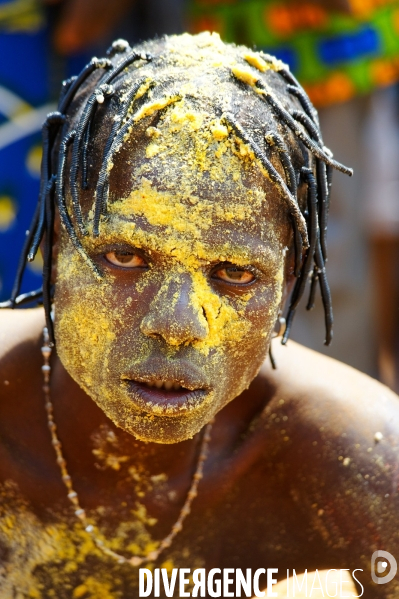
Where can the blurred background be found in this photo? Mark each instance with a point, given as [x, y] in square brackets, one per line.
[344, 52]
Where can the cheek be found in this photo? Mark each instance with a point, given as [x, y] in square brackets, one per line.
[85, 332]
[240, 359]
[85, 321]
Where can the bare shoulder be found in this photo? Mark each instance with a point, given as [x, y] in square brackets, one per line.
[332, 433]
[19, 326]
[326, 393]
[19, 338]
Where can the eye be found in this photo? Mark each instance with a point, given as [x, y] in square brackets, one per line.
[126, 259]
[234, 274]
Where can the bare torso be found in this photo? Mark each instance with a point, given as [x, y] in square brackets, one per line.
[295, 471]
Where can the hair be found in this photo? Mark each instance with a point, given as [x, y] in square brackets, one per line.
[261, 104]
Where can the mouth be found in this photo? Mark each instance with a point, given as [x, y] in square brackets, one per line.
[167, 388]
[166, 397]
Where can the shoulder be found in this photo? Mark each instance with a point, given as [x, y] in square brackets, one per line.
[340, 428]
[336, 431]
[330, 422]
[18, 327]
[20, 338]
[323, 392]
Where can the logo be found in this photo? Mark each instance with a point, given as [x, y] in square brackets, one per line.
[382, 561]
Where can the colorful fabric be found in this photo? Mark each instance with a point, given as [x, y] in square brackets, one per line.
[335, 56]
[27, 69]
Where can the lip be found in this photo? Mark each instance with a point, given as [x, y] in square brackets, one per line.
[195, 389]
[169, 403]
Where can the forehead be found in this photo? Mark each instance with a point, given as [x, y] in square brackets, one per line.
[197, 227]
[189, 176]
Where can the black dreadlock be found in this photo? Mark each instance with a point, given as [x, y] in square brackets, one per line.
[314, 171]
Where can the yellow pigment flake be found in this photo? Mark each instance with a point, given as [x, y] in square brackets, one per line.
[219, 132]
[106, 449]
[276, 64]
[183, 116]
[143, 89]
[256, 61]
[273, 63]
[244, 75]
[152, 150]
[93, 589]
[153, 132]
[152, 107]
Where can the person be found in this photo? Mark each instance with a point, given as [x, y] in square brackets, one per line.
[184, 196]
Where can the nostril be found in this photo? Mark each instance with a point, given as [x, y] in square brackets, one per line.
[156, 336]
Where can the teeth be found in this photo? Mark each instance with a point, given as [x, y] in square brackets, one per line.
[167, 385]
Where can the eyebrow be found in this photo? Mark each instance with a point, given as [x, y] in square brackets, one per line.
[244, 252]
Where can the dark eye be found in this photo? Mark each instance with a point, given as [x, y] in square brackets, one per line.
[126, 259]
[234, 274]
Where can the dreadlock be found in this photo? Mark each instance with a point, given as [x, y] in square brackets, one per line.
[120, 84]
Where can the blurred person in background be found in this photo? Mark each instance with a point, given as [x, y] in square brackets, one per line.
[346, 54]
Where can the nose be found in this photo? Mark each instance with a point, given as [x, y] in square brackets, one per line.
[172, 315]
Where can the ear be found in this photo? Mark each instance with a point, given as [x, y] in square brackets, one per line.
[55, 247]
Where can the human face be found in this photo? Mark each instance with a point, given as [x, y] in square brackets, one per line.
[193, 277]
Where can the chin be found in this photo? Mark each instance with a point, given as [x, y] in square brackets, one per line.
[152, 428]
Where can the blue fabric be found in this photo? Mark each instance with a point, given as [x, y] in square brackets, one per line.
[344, 48]
[26, 71]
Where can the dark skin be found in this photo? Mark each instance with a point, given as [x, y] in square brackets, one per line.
[293, 458]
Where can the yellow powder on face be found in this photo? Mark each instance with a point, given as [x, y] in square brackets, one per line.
[161, 208]
[86, 324]
[152, 150]
[191, 175]
[224, 323]
[219, 132]
[183, 242]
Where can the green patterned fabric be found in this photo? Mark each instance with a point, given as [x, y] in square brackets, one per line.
[335, 56]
